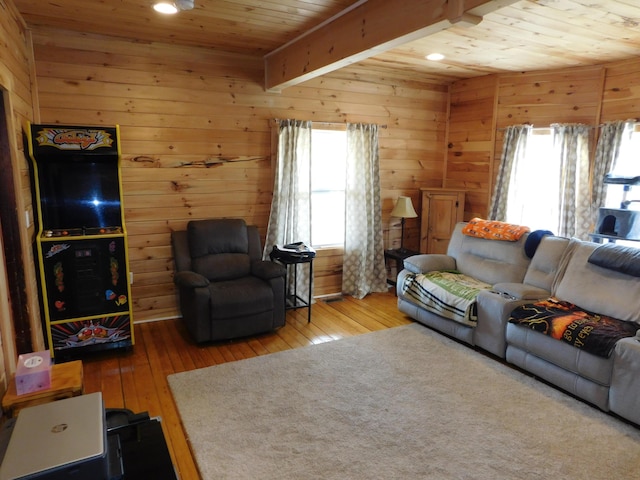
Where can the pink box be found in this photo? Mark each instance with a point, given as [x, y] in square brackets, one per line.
[33, 372]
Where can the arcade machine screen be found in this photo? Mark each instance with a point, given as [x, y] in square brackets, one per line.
[79, 193]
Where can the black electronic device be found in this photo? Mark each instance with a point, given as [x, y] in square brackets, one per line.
[144, 450]
[293, 251]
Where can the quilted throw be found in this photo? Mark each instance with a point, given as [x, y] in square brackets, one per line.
[596, 334]
[494, 230]
[449, 294]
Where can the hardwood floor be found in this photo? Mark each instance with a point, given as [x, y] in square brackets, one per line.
[137, 379]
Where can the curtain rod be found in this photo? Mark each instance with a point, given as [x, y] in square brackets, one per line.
[335, 124]
[590, 126]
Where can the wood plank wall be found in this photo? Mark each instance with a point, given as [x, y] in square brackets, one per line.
[196, 139]
[471, 140]
[621, 97]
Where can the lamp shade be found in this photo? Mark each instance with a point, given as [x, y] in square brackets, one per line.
[404, 208]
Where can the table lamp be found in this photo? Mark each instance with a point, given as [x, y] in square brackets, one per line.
[403, 209]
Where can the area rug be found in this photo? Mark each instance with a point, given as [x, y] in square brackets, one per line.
[403, 403]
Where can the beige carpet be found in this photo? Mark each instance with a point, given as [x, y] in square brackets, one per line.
[403, 403]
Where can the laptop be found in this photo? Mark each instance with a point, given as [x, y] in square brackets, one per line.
[58, 440]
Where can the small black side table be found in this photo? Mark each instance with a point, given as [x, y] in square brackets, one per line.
[398, 255]
[291, 299]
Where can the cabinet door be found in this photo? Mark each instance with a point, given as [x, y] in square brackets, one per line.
[440, 213]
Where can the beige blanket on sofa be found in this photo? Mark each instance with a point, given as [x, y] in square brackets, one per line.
[449, 294]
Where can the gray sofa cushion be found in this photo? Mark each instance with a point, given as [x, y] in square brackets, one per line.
[545, 264]
[617, 257]
[599, 289]
[429, 263]
[595, 368]
[490, 261]
[521, 291]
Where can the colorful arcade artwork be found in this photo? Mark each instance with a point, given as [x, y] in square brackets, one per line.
[81, 242]
[91, 332]
[74, 138]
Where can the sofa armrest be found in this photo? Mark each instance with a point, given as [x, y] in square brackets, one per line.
[429, 262]
[624, 394]
[267, 270]
[521, 291]
[494, 310]
[190, 279]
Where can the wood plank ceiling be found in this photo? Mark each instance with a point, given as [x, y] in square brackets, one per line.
[523, 35]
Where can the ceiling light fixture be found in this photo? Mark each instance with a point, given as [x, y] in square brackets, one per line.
[435, 57]
[165, 7]
[170, 8]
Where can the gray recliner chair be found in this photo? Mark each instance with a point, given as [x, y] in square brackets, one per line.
[226, 290]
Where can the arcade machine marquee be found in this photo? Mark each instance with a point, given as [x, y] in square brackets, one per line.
[81, 240]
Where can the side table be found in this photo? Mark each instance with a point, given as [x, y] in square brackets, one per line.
[292, 300]
[397, 255]
[66, 382]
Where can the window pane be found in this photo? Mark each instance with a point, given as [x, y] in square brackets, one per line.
[533, 199]
[327, 223]
[626, 165]
[328, 179]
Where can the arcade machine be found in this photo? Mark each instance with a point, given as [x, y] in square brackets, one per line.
[81, 238]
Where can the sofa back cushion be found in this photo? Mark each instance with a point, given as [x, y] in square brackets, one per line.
[490, 261]
[219, 248]
[597, 289]
[546, 262]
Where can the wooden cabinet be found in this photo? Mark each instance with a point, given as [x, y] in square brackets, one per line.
[442, 208]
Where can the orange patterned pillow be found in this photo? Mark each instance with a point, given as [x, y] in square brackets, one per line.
[494, 230]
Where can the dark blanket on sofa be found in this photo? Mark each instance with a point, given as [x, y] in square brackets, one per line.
[596, 334]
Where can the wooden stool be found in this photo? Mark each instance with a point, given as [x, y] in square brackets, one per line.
[66, 381]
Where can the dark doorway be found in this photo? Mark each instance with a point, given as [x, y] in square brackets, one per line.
[10, 231]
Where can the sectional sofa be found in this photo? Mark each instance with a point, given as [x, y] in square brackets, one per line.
[512, 317]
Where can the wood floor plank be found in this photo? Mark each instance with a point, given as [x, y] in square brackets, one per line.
[367, 317]
[293, 337]
[130, 392]
[137, 378]
[111, 384]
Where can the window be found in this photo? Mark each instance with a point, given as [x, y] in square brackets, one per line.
[626, 165]
[534, 192]
[328, 181]
[533, 199]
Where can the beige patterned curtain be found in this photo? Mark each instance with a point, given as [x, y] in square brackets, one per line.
[363, 270]
[571, 142]
[290, 217]
[611, 137]
[513, 150]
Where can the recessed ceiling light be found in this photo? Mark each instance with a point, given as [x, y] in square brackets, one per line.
[435, 57]
[165, 7]
[171, 7]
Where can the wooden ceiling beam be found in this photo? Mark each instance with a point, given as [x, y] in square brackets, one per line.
[367, 28]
